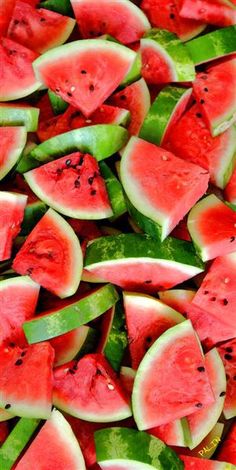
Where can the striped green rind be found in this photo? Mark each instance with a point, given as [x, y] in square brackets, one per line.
[60, 6]
[18, 115]
[146, 224]
[117, 340]
[213, 45]
[68, 318]
[16, 442]
[115, 191]
[130, 447]
[101, 141]
[32, 214]
[175, 49]
[161, 113]
[57, 103]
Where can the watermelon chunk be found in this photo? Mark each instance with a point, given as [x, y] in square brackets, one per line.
[227, 352]
[193, 463]
[34, 367]
[207, 90]
[51, 255]
[213, 12]
[13, 140]
[230, 190]
[184, 359]
[90, 390]
[120, 18]
[12, 206]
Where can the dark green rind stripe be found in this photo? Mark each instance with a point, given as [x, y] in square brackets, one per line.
[57, 103]
[135, 245]
[212, 45]
[19, 116]
[68, 318]
[16, 442]
[33, 213]
[60, 6]
[146, 224]
[117, 340]
[124, 443]
[115, 191]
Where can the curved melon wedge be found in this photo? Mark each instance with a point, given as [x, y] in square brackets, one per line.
[13, 140]
[228, 356]
[16, 114]
[213, 45]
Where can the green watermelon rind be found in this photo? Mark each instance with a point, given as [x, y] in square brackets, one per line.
[34, 211]
[116, 341]
[227, 162]
[162, 112]
[213, 45]
[114, 190]
[57, 103]
[15, 153]
[68, 318]
[60, 6]
[16, 115]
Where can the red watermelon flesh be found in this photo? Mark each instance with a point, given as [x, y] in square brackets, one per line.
[13, 140]
[12, 206]
[90, 390]
[181, 230]
[156, 68]
[6, 9]
[227, 450]
[213, 12]
[191, 140]
[31, 366]
[17, 78]
[227, 352]
[135, 98]
[85, 229]
[207, 89]
[16, 309]
[230, 190]
[46, 111]
[72, 185]
[4, 431]
[175, 298]
[67, 346]
[84, 432]
[42, 29]
[120, 19]
[193, 463]
[165, 14]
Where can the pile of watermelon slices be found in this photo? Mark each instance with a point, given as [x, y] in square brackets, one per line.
[118, 235]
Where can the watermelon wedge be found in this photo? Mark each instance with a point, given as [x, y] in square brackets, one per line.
[214, 45]
[213, 12]
[51, 255]
[230, 190]
[176, 433]
[88, 82]
[177, 344]
[176, 297]
[120, 18]
[74, 343]
[227, 354]
[12, 206]
[13, 140]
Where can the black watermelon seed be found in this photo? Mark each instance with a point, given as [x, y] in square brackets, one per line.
[7, 406]
[172, 16]
[12, 345]
[42, 19]
[57, 90]
[23, 353]
[202, 101]
[83, 72]
[71, 371]
[206, 292]
[222, 394]
[232, 239]
[206, 89]
[225, 302]
[213, 299]
[69, 94]
[91, 87]
[201, 369]
[98, 372]
[149, 281]
[93, 192]
[81, 160]
[77, 183]
[90, 180]
[228, 349]
[149, 339]
[199, 115]
[18, 362]
[228, 357]
[16, 21]
[68, 162]
[198, 405]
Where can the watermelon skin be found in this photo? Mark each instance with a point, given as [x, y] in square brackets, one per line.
[19, 114]
[51, 255]
[34, 367]
[91, 392]
[213, 12]
[42, 29]
[17, 78]
[72, 185]
[55, 446]
[13, 140]
[227, 449]
[193, 463]
[12, 206]
[207, 89]
[227, 352]
[191, 140]
[166, 15]
[214, 45]
[230, 190]
[121, 19]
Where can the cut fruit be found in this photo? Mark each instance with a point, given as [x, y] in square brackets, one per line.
[34, 367]
[176, 433]
[73, 343]
[12, 206]
[17, 77]
[57, 103]
[146, 318]
[34, 211]
[191, 140]
[127, 376]
[6, 9]
[193, 463]
[64, 319]
[176, 297]
[16, 114]
[55, 446]
[72, 185]
[90, 390]
[177, 352]
[165, 14]
[51, 255]
[164, 58]
[13, 140]
[128, 449]
[121, 19]
[114, 190]
[213, 12]
[230, 190]
[42, 29]
[80, 71]
[137, 262]
[207, 90]
[16, 309]
[180, 184]
[227, 352]
[164, 113]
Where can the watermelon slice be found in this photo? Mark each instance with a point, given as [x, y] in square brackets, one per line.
[227, 449]
[178, 189]
[193, 463]
[120, 18]
[55, 446]
[90, 390]
[13, 140]
[42, 29]
[79, 71]
[17, 114]
[12, 207]
[165, 14]
[230, 190]
[114, 190]
[72, 185]
[191, 140]
[16, 309]
[34, 367]
[17, 77]
[213, 12]
[51, 255]
[164, 58]
[207, 90]
[34, 211]
[137, 262]
[178, 344]
[207, 447]
[214, 45]
[146, 318]
[228, 356]
[175, 298]
[6, 9]
[176, 433]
